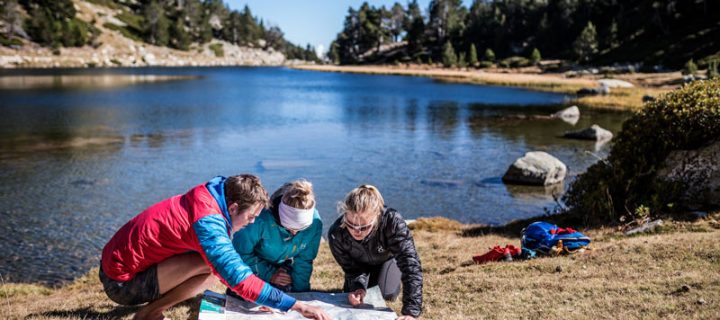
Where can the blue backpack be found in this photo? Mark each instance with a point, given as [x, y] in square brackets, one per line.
[545, 237]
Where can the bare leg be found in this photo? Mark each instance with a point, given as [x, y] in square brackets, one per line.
[180, 278]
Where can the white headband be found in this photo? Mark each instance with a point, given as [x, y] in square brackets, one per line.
[294, 218]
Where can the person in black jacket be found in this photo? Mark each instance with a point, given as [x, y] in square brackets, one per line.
[373, 245]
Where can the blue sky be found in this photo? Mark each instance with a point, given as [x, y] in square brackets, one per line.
[310, 21]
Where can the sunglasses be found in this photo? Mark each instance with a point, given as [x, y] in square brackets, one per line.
[359, 228]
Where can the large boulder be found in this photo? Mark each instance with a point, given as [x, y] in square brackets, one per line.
[698, 171]
[595, 133]
[536, 168]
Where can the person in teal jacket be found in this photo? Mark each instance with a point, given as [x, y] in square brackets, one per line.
[283, 242]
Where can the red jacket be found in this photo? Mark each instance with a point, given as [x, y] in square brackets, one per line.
[197, 221]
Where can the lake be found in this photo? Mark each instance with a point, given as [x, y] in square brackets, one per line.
[83, 151]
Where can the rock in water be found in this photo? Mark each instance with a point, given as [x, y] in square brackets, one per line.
[699, 171]
[569, 113]
[595, 132]
[536, 168]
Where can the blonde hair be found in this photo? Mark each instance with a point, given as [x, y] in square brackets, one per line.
[365, 198]
[297, 194]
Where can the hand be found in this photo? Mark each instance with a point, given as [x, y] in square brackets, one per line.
[281, 278]
[405, 318]
[356, 297]
[310, 312]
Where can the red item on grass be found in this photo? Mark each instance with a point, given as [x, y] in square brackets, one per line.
[497, 253]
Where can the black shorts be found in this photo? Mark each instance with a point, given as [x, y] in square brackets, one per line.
[140, 289]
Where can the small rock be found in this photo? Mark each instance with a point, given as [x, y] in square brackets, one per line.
[559, 269]
[701, 301]
[615, 83]
[685, 288]
[595, 132]
[571, 112]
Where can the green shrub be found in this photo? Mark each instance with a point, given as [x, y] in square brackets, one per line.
[485, 64]
[217, 49]
[449, 57]
[489, 55]
[712, 72]
[124, 31]
[535, 56]
[514, 62]
[690, 67]
[687, 118]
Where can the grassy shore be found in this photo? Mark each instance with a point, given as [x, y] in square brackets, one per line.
[623, 99]
[670, 274]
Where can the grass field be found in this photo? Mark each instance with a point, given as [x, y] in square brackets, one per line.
[671, 274]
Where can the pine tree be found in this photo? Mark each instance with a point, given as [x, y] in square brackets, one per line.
[449, 56]
[489, 55]
[712, 72]
[586, 45]
[157, 24]
[535, 56]
[473, 60]
[690, 67]
[180, 38]
[462, 60]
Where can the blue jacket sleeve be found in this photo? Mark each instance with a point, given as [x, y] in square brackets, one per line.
[303, 264]
[218, 252]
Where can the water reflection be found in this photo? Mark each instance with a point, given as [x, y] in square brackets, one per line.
[94, 82]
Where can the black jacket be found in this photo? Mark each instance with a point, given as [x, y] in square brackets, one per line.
[391, 239]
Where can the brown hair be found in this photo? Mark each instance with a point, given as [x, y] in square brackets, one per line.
[297, 194]
[365, 198]
[245, 190]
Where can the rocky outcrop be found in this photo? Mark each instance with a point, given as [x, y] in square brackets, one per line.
[113, 49]
[595, 133]
[536, 168]
[699, 172]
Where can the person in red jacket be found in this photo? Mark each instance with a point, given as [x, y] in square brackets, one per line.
[169, 252]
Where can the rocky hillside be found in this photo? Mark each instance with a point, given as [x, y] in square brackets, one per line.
[113, 46]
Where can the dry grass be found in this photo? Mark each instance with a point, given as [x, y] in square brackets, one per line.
[620, 278]
[625, 99]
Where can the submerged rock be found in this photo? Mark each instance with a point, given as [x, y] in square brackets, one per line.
[595, 133]
[536, 168]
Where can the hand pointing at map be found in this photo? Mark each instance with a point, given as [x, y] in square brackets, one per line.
[309, 311]
[356, 297]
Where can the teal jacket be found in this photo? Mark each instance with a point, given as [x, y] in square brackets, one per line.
[265, 245]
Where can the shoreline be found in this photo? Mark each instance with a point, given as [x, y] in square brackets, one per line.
[618, 99]
[648, 275]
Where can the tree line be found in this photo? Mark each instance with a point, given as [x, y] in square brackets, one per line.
[173, 23]
[587, 31]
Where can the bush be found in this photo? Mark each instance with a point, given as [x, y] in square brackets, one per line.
[625, 182]
[489, 55]
[514, 62]
[449, 57]
[535, 56]
[690, 67]
[712, 72]
[485, 64]
[217, 49]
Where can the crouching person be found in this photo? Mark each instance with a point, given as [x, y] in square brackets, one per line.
[283, 242]
[373, 245]
[169, 252]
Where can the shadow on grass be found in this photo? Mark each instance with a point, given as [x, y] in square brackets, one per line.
[86, 313]
[513, 229]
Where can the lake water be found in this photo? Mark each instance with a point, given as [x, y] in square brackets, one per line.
[83, 151]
